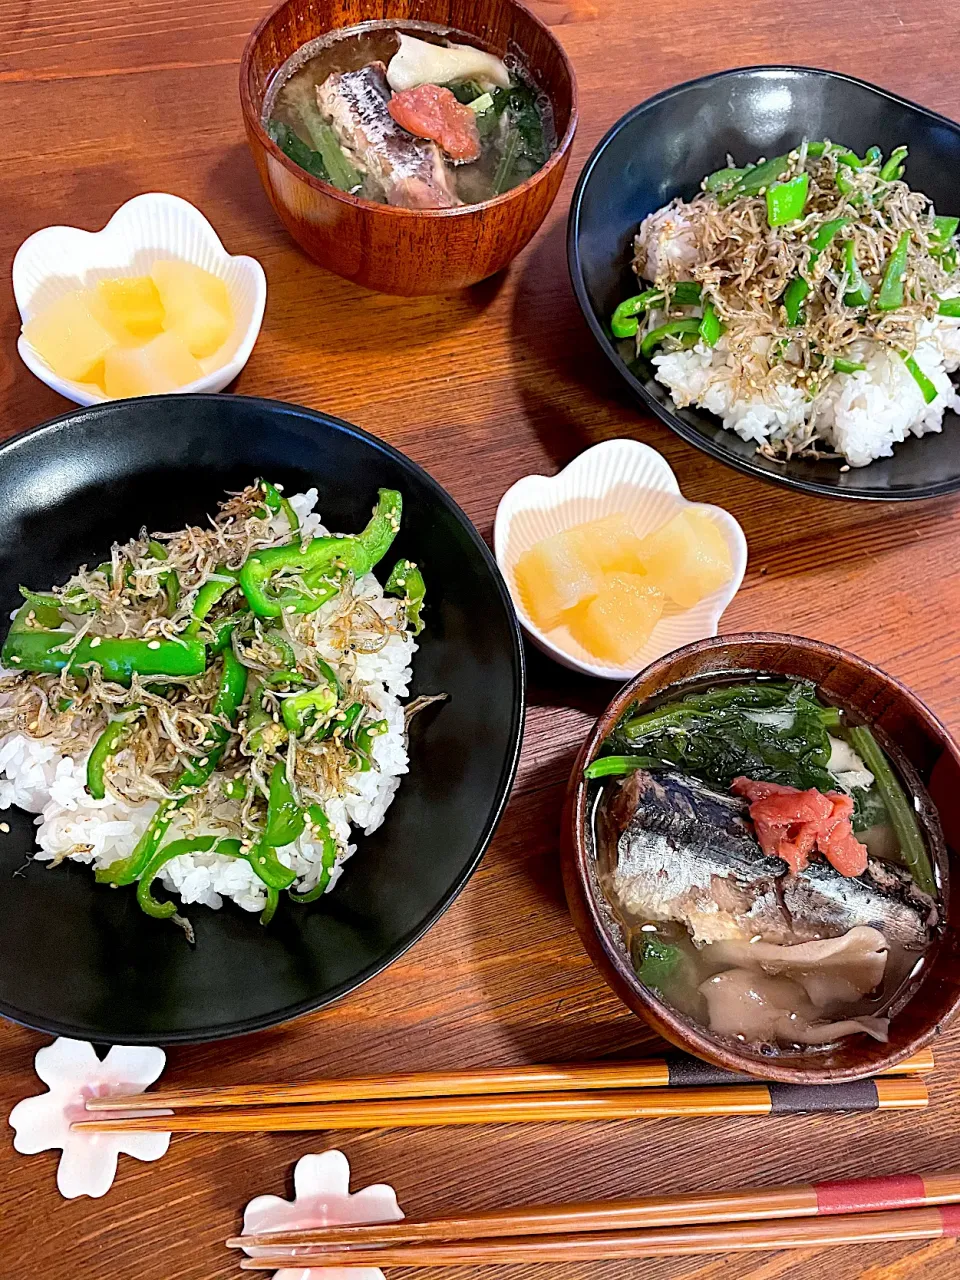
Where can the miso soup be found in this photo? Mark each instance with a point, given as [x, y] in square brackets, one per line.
[413, 115]
[773, 871]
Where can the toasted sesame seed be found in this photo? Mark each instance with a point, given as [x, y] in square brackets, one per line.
[94, 642]
[15, 659]
[5, 827]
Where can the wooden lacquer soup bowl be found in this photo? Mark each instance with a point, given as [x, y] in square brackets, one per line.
[407, 251]
[919, 745]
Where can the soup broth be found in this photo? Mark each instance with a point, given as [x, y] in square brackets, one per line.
[334, 110]
[765, 862]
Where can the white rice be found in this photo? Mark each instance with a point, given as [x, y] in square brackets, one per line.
[72, 825]
[859, 415]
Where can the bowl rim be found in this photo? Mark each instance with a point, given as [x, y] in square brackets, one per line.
[666, 414]
[252, 120]
[86, 415]
[575, 856]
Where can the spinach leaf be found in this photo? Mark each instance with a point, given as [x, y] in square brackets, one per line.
[292, 145]
[524, 147]
[771, 731]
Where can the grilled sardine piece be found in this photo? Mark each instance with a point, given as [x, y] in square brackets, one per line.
[408, 171]
[671, 848]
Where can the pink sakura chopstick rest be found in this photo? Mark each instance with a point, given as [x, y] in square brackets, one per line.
[321, 1186]
[72, 1073]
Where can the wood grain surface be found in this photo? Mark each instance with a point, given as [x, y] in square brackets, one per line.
[103, 99]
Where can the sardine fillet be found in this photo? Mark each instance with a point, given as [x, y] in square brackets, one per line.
[670, 848]
[409, 171]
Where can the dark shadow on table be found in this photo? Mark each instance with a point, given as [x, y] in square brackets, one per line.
[310, 307]
[548, 330]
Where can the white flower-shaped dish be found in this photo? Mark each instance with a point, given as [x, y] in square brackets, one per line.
[321, 1188]
[73, 1072]
[616, 476]
[56, 260]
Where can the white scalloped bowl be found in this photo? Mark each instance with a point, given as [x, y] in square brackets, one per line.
[56, 260]
[616, 476]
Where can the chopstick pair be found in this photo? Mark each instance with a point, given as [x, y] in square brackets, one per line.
[841, 1212]
[601, 1091]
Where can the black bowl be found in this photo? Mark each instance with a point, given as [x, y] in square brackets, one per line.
[663, 148]
[81, 960]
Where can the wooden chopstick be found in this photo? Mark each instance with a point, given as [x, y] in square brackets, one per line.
[672, 1071]
[808, 1199]
[893, 1093]
[785, 1233]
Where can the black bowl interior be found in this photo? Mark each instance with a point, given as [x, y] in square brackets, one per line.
[665, 146]
[82, 960]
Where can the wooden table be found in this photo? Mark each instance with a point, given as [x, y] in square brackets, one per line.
[103, 99]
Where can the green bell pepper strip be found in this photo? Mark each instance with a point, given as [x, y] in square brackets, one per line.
[721, 178]
[46, 611]
[300, 710]
[285, 822]
[787, 200]
[270, 906]
[175, 849]
[672, 329]
[233, 681]
[794, 296]
[710, 326]
[850, 159]
[893, 169]
[210, 595]
[949, 307]
[824, 236]
[350, 718]
[858, 292]
[113, 739]
[927, 388]
[328, 857]
[363, 743]
[275, 501]
[624, 323]
[285, 819]
[170, 582]
[406, 580]
[226, 704]
[756, 179]
[797, 291]
[126, 870]
[891, 288]
[30, 648]
[227, 848]
[269, 868]
[320, 559]
[873, 156]
[264, 733]
[235, 789]
[47, 608]
[848, 366]
[944, 228]
[275, 638]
